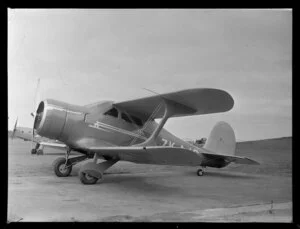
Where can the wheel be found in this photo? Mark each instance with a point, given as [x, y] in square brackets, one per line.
[33, 151]
[39, 152]
[59, 167]
[86, 178]
[200, 172]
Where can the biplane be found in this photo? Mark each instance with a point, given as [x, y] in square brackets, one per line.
[127, 131]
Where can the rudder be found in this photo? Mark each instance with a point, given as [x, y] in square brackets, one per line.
[221, 139]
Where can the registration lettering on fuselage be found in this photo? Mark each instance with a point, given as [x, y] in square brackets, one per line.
[167, 142]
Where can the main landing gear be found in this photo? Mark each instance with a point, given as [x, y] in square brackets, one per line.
[60, 167]
[91, 172]
[63, 165]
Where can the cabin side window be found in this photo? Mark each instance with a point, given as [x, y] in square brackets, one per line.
[112, 112]
[137, 120]
[125, 117]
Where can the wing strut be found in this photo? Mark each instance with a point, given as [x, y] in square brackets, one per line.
[169, 111]
[140, 131]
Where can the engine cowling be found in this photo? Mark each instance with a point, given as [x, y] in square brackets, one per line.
[50, 118]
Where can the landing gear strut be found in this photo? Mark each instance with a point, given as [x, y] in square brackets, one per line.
[63, 165]
[60, 168]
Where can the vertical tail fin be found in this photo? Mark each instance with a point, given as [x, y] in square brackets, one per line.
[221, 139]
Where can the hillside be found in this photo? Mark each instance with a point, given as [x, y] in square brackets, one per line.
[274, 156]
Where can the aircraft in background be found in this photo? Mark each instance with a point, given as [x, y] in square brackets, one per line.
[26, 134]
[127, 131]
[198, 142]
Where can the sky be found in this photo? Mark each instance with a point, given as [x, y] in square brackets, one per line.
[82, 56]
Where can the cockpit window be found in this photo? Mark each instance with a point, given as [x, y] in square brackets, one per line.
[125, 117]
[112, 112]
[137, 120]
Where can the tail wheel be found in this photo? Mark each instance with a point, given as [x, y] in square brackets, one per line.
[200, 172]
[60, 169]
[85, 178]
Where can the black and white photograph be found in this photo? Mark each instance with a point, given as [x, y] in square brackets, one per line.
[149, 115]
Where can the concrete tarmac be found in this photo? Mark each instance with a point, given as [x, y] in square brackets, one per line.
[135, 192]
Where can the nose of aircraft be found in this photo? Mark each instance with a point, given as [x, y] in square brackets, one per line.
[39, 115]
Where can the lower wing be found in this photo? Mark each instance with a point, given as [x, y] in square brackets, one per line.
[53, 145]
[150, 155]
[164, 155]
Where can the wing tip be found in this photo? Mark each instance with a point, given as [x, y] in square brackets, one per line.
[253, 162]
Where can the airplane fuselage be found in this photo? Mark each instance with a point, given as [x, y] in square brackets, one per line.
[100, 124]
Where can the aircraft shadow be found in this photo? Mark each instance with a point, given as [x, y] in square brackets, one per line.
[139, 184]
[222, 174]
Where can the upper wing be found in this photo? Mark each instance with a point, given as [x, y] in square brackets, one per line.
[151, 154]
[186, 102]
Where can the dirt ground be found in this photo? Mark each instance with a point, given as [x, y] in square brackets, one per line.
[134, 192]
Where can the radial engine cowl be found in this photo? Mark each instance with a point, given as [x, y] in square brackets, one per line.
[50, 118]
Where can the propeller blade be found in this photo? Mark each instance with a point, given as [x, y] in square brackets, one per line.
[32, 136]
[14, 130]
[33, 114]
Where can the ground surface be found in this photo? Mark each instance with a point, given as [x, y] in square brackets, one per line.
[132, 192]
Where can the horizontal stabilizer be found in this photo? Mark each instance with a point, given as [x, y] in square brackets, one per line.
[229, 158]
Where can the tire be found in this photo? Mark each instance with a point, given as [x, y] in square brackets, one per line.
[33, 151]
[200, 172]
[39, 152]
[58, 166]
[87, 179]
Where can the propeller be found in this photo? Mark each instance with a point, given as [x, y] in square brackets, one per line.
[33, 114]
[14, 130]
